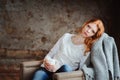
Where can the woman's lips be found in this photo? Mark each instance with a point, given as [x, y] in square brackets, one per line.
[85, 33]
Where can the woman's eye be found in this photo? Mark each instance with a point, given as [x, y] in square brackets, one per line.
[88, 26]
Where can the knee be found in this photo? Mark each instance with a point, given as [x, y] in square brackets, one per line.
[40, 75]
[66, 68]
[40, 72]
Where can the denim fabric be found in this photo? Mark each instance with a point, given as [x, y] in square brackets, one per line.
[65, 68]
[43, 74]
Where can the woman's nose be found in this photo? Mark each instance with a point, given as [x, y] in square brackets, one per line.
[89, 30]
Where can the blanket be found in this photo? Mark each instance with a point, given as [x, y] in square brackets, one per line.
[104, 60]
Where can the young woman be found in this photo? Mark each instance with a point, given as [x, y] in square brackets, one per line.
[71, 50]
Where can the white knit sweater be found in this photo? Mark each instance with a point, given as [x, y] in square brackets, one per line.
[66, 52]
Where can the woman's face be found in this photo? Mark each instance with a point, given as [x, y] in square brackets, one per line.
[89, 30]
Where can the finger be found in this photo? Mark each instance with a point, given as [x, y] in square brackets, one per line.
[48, 64]
[46, 67]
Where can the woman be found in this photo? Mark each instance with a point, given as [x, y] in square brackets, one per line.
[71, 50]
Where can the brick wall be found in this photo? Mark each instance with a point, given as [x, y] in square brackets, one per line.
[10, 59]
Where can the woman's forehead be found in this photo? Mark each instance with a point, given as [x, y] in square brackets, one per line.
[93, 26]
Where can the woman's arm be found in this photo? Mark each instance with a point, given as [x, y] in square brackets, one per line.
[55, 49]
[49, 62]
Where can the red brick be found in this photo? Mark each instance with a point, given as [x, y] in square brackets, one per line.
[17, 53]
[2, 52]
[36, 53]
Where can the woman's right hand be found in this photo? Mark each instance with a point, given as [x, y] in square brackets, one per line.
[48, 66]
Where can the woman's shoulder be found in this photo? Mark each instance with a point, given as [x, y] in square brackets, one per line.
[68, 34]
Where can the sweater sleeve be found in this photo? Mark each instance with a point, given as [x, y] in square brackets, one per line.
[53, 52]
[55, 48]
[88, 72]
[116, 62]
[112, 58]
[99, 62]
[115, 58]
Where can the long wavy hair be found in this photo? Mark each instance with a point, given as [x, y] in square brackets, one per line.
[90, 40]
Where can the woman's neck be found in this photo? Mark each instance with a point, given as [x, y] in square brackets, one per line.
[78, 39]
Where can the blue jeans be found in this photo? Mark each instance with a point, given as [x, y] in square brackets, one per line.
[43, 74]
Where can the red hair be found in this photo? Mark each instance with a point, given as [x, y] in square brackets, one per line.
[89, 41]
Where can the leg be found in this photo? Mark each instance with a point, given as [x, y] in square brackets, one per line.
[65, 68]
[42, 74]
